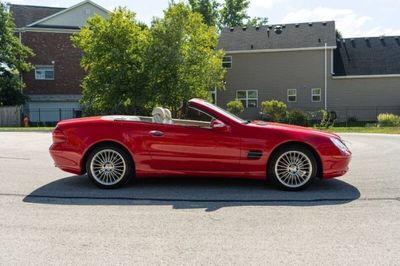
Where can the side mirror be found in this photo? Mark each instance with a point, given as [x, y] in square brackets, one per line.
[218, 125]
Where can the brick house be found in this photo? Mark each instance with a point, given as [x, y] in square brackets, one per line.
[305, 66]
[53, 86]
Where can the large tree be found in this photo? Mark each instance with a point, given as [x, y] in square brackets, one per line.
[182, 58]
[13, 56]
[114, 58]
[234, 13]
[208, 9]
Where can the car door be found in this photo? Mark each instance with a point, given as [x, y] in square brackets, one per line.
[186, 148]
[193, 149]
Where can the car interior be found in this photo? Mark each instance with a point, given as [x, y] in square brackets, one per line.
[192, 117]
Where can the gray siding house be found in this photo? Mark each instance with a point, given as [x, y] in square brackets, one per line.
[305, 66]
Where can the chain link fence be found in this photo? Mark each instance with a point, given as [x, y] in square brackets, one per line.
[353, 116]
[49, 116]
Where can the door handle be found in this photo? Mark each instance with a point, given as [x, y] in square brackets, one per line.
[156, 133]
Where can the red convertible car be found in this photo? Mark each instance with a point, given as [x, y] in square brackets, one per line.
[208, 142]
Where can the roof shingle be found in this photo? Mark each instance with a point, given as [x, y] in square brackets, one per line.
[300, 35]
[367, 56]
[25, 14]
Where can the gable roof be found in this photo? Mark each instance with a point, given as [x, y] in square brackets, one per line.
[367, 56]
[61, 12]
[299, 35]
[26, 14]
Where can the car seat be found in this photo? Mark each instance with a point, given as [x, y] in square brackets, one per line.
[158, 115]
[168, 117]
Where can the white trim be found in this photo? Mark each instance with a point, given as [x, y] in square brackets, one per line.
[68, 9]
[367, 76]
[279, 50]
[52, 30]
[287, 94]
[247, 99]
[227, 61]
[211, 92]
[44, 68]
[315, 94]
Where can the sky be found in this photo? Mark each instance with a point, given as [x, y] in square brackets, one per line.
[354, 18]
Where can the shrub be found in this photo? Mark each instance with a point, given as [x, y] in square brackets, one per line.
[298, 117]
[235, 107]
[388, 120]
[324, 119]
[274, 110]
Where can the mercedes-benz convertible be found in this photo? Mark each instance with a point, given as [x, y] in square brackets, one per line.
[208, 142]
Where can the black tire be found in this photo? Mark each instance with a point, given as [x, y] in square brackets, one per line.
[275, 172]
[122, 177]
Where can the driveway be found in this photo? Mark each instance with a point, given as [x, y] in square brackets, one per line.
[51, 217]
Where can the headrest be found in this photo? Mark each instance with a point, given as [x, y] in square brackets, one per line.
[158, 114]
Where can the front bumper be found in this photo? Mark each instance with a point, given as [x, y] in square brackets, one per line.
[334, 166]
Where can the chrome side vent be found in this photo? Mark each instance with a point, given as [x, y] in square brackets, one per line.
[254, 155]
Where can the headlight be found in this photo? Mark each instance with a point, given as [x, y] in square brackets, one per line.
[339, 143]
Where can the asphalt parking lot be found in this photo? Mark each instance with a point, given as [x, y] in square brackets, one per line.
[51, 217]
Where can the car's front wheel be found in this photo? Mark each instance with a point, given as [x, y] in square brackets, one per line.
[292, 168]
[109, 166]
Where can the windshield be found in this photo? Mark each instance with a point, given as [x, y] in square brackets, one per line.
[226, 113]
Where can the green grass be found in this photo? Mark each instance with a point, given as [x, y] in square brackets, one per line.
[382, 130]
[26, 129]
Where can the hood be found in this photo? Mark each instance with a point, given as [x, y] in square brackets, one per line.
[293, 128]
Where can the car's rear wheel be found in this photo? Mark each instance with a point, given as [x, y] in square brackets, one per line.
[109, 166]
[292, 168]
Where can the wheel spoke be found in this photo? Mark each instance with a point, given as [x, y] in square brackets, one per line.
[293, 169]
[108, 167]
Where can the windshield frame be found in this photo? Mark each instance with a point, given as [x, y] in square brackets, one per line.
[219, 110]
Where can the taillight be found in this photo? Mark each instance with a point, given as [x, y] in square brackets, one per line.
[58, 136]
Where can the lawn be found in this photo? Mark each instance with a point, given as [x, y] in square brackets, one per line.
[382, 130]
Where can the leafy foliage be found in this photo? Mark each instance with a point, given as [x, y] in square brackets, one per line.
[388, 120]
[234, 13]
[13, 56]
[10, 94]
[338, 35]
[274, 110]
[257, 21]
[113, 58]
[182, 60]
[235, 107]
[298, 117]
[132, 68]
[208, 9]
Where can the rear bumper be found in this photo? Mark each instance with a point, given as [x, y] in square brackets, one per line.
[334, 166]
[68, 161]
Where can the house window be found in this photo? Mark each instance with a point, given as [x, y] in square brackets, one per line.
[44, 72]
[316, 94]
[292, 95]
[227, 61]
[249, 98]
[213, 95]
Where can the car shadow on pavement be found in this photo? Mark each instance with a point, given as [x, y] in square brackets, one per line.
[188, 193]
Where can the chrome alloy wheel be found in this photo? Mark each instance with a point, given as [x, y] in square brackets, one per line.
[108, 167]
[293, 169]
